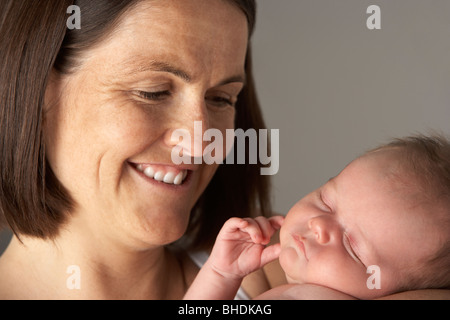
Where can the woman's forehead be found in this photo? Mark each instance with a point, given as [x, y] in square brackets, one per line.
[174, 34]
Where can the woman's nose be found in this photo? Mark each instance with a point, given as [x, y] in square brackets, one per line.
[323, 228]
[187, 130]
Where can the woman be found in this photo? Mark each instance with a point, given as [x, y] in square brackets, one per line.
[87, 121]
[88, 113]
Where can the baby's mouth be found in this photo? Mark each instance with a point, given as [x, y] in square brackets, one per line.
[300, 244]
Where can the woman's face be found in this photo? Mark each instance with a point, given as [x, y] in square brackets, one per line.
[109, 124]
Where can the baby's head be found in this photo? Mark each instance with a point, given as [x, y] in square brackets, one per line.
[390, 208]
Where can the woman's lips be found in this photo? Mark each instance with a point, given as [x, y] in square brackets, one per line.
[299, 243]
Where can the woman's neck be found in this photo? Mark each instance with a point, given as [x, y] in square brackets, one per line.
[72, 267]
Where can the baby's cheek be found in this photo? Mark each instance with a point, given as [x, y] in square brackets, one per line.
[292, 265]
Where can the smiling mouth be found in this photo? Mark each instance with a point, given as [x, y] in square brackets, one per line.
[164, 174]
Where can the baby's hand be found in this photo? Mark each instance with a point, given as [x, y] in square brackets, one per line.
[241, 246]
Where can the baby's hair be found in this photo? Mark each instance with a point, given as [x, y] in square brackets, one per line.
[427, 159]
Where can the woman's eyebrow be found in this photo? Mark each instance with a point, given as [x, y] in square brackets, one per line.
[139, 64]
[237, 78]
[161, 66]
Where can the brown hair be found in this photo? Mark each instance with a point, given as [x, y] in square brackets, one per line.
[32, 201]
[427, 159]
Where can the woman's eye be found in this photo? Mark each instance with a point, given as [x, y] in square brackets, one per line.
[220, 101]
[217, 101]
[154, 96]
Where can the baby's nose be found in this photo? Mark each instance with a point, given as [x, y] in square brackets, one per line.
[322, 227]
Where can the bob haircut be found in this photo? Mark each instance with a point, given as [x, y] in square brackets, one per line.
[37, 41]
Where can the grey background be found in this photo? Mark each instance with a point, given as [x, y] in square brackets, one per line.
[335, 89]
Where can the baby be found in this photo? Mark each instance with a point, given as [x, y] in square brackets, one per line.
[380, 227]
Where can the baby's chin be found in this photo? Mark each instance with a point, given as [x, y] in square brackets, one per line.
[292, 279]
[289, 263]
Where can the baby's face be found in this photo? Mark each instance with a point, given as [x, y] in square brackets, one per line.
[360, 218]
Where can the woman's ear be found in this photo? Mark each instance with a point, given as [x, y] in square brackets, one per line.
[51, 108]
[53, 91]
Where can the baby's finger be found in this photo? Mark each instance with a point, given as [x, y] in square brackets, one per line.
[276, 221]
[254, 230]
[270, 253]
[234, 224]
[267, 229]
[231, 228]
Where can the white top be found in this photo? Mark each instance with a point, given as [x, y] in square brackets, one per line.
[200, 258]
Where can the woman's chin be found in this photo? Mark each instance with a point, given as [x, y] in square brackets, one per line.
[161, 232]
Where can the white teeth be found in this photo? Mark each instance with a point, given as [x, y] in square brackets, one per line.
[169, 177]
[149, 172]
[159, 176]
[179, 178]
